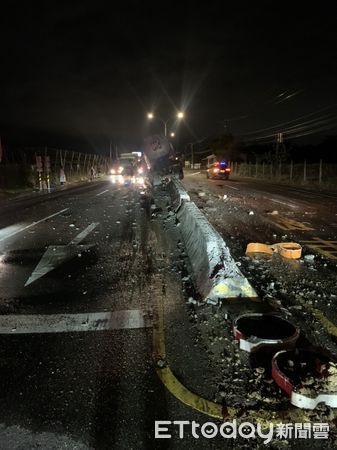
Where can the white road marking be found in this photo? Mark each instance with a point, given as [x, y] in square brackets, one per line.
[68, 323]
[79, 238]
[310, 194]
[32, 225]
[232, 187]
[107, 190]
[283, 203]
[191, 174]
[55, 255]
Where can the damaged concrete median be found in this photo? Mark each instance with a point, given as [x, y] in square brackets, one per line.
[215, 272]
[250, 387]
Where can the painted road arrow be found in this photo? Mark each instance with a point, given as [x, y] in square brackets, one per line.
[56, 255]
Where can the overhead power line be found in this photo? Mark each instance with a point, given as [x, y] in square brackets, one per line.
[310, 126]
[282, 124]
[297, 129]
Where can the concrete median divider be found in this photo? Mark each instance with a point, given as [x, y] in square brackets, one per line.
[215, 272]
[178, 193]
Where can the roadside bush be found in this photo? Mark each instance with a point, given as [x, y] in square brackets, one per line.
[16, 176]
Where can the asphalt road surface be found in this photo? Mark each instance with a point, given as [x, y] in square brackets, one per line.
[304, 290]
[249, 210]
[76, 341]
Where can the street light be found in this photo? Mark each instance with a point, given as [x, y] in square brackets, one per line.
[172, 134]
[180, 115]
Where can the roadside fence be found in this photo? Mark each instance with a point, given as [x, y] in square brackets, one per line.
[42, 167]
[298, 173]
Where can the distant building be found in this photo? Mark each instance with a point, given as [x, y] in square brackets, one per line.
[210, 160]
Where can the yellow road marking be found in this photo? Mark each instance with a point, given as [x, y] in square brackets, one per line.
[194, 401]
[165, 374]
[330, 327]
[187, 397]
[289, 224]
[326, 248]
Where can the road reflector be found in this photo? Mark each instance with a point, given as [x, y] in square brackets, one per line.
[290, 250]
[256, 247]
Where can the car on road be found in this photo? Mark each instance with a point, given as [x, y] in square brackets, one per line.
[128, 172]
[219, 170]
[124, 166]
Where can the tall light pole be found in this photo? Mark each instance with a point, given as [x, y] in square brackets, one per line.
[192, 152]
[151, 116]
[165, 126]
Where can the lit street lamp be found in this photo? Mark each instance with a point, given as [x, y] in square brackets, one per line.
[151, 116]
[172, 134]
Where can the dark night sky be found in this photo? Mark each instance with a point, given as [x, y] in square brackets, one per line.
[77, 74]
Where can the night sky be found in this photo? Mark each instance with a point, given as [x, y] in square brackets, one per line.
[79, 74]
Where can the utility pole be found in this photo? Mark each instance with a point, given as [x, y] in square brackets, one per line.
[279, 142]
[192, 149]
[280, 149]
[192, 155]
